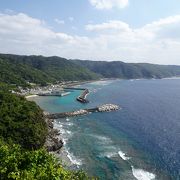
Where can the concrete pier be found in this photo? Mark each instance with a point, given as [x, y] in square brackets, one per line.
[82, 97]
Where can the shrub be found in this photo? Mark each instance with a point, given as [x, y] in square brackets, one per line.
[17, 163]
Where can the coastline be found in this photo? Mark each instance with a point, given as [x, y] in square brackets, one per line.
[30, 96]
[71, 160]
[56, 145]
[55, 142]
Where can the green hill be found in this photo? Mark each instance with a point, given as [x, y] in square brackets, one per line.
[20, 74]
[20, 70]
[15, 69]
[118, 69]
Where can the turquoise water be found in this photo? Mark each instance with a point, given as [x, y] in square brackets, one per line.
[140, 141]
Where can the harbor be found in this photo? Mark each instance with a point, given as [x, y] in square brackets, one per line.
[82, 98]
[54, 93]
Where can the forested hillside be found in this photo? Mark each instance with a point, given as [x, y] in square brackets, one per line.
[20, 74]
[16, 69]
[118, 69]
[20, 70]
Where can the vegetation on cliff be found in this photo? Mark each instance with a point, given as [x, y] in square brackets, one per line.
[21, 121]
[23, 131]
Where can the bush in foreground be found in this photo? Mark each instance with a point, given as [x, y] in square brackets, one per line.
[16, 163]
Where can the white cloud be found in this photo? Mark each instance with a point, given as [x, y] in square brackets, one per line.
[59, 21]
[109, 4]
[165, 28]
[109, 26]
[157, 42]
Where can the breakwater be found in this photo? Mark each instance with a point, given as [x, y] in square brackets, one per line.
[103, 108]
[82, 97]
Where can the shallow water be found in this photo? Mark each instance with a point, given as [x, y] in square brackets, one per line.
[140, 141]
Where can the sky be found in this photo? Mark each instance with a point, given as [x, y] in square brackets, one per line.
[111, 30]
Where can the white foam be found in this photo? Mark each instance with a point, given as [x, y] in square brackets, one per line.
[65, 135]
[58, 126]
[171, 78]
[69, 124]
[68, 132]
[101, 138]
[62, 124]
[103, 83]
[110, 154]
[73, 159]
[123, 156]
[141, 174]
[67, 119]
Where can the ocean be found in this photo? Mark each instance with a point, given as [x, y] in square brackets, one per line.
[139, 141]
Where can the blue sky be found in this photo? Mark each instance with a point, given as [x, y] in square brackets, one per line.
[127, 30]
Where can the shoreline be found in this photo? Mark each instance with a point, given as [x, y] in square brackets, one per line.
[30, 96]
[56, 145]
[71, 161]
[55, 142]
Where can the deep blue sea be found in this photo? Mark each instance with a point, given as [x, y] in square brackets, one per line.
[139, 141]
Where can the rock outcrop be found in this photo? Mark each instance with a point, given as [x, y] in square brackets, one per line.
[53, 142]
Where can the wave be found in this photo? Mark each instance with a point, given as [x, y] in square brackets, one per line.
[60, 125]
[115, 152]
[95, 90]
[102, 83]
[123, 156]
[67, 119]
[141, 174]
[110, 154]
[73, 159]
[101, 138]
[110, 150]
[65, 135]
[69, 124]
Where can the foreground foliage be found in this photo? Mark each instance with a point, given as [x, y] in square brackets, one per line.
[21, 121]
[19, 164]
[22, 134]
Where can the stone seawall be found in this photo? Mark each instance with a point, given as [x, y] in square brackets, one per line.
[103, 108]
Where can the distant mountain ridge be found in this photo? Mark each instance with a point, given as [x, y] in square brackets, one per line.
[118, 69]
[18, 69]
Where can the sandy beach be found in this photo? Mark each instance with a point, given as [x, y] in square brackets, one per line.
[30, 96]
